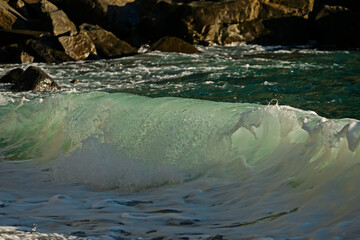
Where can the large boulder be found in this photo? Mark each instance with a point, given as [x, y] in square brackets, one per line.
[58, 21]
[12, 76]
[79, 47]
[45, 51]
[32, 79]
[173, 44]
[106, 43]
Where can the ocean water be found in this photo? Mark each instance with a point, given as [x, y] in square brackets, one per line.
[238, 142]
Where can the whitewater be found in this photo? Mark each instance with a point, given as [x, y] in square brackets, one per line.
[239, 142]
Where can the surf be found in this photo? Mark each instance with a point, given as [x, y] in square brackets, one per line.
[131, 142]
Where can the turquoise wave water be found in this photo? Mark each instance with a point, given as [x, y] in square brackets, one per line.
[118, 133]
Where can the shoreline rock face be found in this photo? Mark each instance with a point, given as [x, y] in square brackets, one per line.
[32, 79]
[53, 30]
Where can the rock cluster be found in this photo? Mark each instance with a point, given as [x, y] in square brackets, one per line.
[67, 30]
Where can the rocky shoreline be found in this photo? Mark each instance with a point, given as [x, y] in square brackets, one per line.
[55, 31]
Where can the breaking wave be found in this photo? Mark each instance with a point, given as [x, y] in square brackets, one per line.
[131, 142]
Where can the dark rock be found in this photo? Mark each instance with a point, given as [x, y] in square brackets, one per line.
[173, 44]
[216, 237]
[43, 51]
[18, 36]
[123, 17]
[31, 1]
[12, 76]
[157, 19]
[106, 43]
[227, 21]
[10, 18]
[89, 11]
[337, 26]
[20, 6]
[35, 79]
[32, 79]
[283, 31]
[75, 81]
[15, 54]
[79, 47]
[57, 21]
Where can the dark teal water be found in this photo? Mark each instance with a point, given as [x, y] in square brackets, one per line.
[325, 82]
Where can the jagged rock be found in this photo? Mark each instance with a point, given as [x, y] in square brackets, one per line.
[60, 23]
[32, 79]
[173, 44]
[44, 52]
[79, 47]
[106, 43]
[227, 21]
[10, 18]
[15, 54]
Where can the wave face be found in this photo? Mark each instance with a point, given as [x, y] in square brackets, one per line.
[131, 142]
[232, 169]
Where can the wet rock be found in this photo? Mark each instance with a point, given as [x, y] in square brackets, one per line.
[106, 43]
[32, 79]
[14, 54]
[173, 44]
[12, 76]
[44, 51]
[79, 47]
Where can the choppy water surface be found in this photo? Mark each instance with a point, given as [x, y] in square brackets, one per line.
[137, 151]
